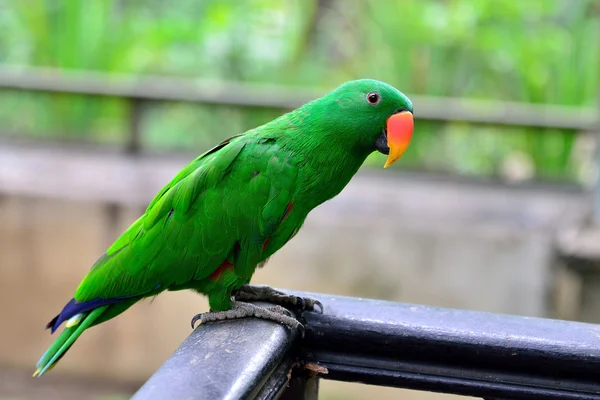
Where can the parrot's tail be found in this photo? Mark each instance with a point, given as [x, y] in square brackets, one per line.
[74, 328]
[79, 316]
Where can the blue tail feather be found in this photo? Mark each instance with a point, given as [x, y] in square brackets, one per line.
[74, 307]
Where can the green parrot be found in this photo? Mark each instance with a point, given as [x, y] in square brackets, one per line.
[231, 208]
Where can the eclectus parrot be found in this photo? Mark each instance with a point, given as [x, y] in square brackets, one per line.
[232, 207]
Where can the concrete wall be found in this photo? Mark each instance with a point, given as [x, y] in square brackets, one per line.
[403, 238]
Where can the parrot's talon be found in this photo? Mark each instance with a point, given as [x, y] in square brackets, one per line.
[302, 330]
[195, 319]
[270, 295]
[281, 310]
[244, 310]
[320, 305]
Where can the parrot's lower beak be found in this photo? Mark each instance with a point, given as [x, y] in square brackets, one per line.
[399, 129]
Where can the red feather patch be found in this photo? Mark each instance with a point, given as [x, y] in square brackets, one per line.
[226, 265]
[266, 243]
[288, 210]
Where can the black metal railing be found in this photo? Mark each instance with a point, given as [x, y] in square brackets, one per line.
[377, 342]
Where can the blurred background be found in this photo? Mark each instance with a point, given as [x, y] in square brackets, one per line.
[493, 207]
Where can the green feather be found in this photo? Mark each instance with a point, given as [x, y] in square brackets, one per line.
[66, 340]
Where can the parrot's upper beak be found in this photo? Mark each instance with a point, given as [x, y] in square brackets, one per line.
[399, 132]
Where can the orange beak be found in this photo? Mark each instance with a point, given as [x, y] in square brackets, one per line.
[399, 132]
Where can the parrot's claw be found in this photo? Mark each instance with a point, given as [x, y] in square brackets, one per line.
[245, 310]
[270, 295]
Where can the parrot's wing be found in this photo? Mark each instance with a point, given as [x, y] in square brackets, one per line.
[224, 204]
[191, 167]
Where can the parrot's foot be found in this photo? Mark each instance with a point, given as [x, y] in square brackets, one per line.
[245, 310]
[270, 295]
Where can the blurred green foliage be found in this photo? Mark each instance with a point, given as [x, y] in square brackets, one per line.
[539, 51]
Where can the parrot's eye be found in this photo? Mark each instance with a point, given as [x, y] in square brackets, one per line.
[373, 97]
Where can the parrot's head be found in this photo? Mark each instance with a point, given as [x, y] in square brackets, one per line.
[372, 115]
